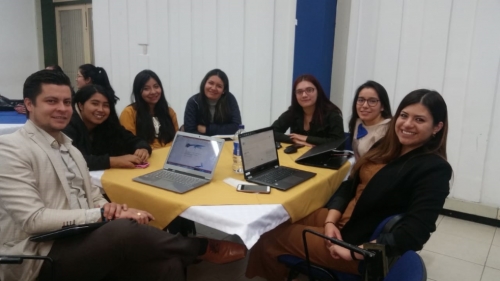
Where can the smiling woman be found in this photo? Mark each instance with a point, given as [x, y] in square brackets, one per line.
[150, 117]
[312, 118]
[371, 114]
[97, 133]
[214, 110]
[405, 173]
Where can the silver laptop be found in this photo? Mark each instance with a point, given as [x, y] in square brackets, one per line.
[190, 163]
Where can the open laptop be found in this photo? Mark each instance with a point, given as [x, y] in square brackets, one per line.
[261, 164]
[190, 163]
[329, 155]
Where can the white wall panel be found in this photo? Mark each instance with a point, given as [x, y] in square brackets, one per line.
[388, 35]
[457, 71]
[181, 40]
[119, 73]
[257, 63]
[409, 50]
[21, 51]
[230, 43]
[284, 24]
[450, 46]
[478, 107]
[138, 37]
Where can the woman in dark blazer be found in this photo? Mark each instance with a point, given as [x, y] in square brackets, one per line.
[214, 110]
[312, 118]
[405, 173]
[97, 133]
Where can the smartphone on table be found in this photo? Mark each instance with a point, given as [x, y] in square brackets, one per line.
[251, 188]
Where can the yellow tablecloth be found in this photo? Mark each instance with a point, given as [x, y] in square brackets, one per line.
[299, 201]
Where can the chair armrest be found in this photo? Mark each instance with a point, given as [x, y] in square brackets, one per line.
[14, 259]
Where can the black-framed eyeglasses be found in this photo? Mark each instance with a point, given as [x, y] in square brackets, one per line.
[308, 90]
[371, 101]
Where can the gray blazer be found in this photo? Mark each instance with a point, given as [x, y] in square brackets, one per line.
[34, 196]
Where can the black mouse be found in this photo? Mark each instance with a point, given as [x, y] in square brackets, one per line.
[290, 149]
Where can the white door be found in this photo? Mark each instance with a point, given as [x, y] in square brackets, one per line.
[74, 37]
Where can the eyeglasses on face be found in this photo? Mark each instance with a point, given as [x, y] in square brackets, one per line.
[308, 90]
[371, 101]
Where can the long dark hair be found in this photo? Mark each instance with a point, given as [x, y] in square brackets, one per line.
[112, 122]
[144, 122]
[322, 106]
[382, 96]
[389, 147]
[98, 76]
[222, 110]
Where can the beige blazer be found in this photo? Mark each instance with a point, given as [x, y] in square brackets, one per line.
[34, 196]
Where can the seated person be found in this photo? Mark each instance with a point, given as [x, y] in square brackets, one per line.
[54, 67]
[312, 118]
[97, 133]
[45, 184]
[371, 114]
[90, 74]
[150, 117]
[214, 110]
[405, 173]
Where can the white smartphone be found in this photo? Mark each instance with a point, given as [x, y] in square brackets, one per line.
[253, 188]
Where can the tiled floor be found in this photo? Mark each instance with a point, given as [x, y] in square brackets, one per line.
[458, 250]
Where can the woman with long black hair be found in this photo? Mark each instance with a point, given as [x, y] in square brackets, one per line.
[312, 118]
[406, 172]
[97, 133]
[150, 117]
[214, 110]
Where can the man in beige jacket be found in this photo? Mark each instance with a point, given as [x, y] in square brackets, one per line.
[45, 184]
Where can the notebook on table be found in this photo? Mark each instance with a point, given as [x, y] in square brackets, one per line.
[328, 155]
[190, 163]
[261, 164]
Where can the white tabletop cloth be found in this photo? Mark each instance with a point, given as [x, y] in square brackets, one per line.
[249, 222]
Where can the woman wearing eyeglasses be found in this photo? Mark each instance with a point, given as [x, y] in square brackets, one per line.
[371, 114]
[312, 118]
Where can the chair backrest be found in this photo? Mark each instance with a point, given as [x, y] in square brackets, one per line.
[385, 226]
[347, 143]
[410, 267]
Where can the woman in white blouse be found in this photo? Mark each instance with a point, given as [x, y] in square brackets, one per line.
[371, 114]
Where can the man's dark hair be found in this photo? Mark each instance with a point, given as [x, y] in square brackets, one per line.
[33, 84]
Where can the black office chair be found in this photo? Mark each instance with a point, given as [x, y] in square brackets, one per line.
[299, 265]
[13, 259]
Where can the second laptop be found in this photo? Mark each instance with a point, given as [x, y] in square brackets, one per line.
[261, 164]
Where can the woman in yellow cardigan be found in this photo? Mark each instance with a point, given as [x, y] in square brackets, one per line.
[150, 117]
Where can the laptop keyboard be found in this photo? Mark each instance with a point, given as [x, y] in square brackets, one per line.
[175, 177]
[275, 175]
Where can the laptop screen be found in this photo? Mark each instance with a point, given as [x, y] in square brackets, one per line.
[195, 154]
[258, 149]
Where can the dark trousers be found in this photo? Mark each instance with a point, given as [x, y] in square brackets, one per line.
[122, 250]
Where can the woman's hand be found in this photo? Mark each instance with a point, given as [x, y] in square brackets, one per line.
[202, 129]
[143, 154]
[297, 137]
[331, 230]
[125, 161]
[339, 252]
[20, 108]
[300, 139]
[303, 143]
[140, 216]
